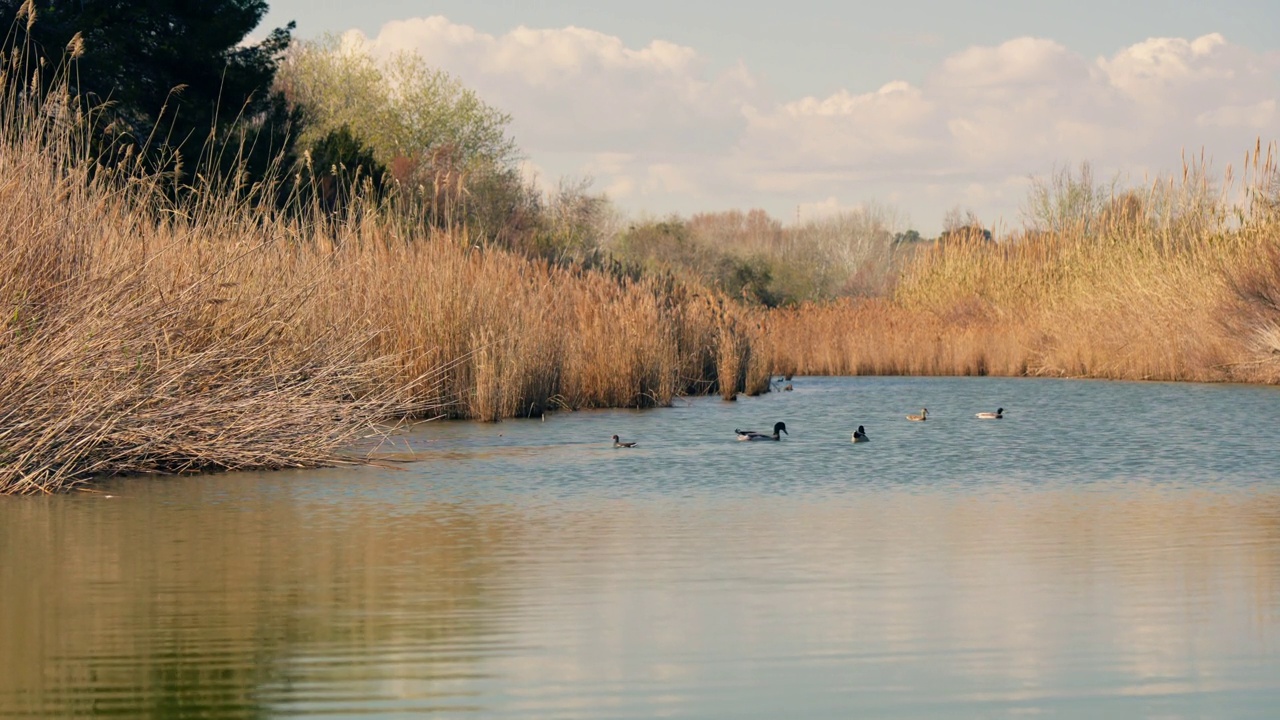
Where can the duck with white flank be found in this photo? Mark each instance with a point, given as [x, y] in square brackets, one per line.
[753, 435]
[924, 415]
[619, 443]
[997, 415]
[860, 435]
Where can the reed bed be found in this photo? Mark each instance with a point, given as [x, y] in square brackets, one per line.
[130, 345]
[143, 335]
[1176, 283]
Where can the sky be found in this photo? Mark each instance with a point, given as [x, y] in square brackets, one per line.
[807, 108]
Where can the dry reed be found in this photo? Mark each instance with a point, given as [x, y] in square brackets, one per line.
[215, 334]
[1176, 283]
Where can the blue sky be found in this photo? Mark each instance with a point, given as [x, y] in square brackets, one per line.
[813, 107]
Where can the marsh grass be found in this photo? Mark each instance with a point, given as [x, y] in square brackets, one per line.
[1176, 283]
[143, 334]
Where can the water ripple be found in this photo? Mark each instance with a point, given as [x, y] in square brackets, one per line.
[1106, 550]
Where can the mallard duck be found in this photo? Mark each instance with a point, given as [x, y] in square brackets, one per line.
[619, 443]
[753, 435]
[860, 435]
[924, 415]
[997, 415]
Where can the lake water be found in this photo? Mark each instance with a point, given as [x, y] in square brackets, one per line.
[1108, 550]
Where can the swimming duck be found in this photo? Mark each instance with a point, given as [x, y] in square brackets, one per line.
[619, 443]
[860, 435]
[924, 415]
[753, 435]
[997, 415]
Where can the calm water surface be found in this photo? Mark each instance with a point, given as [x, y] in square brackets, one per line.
[1109, 550]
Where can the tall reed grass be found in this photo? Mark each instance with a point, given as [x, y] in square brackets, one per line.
[140, 334]
[1180, 282]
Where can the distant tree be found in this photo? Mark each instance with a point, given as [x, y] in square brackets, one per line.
[176, 76]
[1067, 200]
[960, 225]
[957, 219]
[573, 224]
[400, 106]
[436, 137]
[749, 279]
[731, 229]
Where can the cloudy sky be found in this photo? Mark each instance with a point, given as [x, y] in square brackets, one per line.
[807, 107]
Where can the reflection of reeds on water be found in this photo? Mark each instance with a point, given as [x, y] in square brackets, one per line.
[174, 597]
[134, 604]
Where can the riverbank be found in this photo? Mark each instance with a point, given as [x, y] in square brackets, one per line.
[218, 334]
[1175, 284]
[221, 333]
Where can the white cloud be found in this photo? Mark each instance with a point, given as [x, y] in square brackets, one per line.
[660, 130]
[578, 90]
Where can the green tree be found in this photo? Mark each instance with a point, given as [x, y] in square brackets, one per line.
[336, 167]
[177, 81]
[400, 107]
[447, 150]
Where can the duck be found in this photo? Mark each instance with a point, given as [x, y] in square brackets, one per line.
[997, 415]
[619, 443]
[753, 435]
[924, 415]
[860, 435]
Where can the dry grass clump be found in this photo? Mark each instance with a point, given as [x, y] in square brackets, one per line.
[112, 365]
[1252, 313]
[875, 336]
[511, 337]
[1176, 283]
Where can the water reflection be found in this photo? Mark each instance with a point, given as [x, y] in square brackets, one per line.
[528, 570]
[217, 597]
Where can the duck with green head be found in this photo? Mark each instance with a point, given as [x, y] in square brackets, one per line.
[747, 435]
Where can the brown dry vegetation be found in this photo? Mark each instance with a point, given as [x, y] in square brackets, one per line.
[1172, 284]
[140, 336]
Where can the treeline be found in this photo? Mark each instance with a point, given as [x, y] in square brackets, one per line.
[754, 258]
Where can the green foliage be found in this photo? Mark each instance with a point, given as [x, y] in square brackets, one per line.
[571, 225]
[445, 149]
[336, 167]
[661, 245]
[436, 110]
[753, 256]
[749, 278]
[401, 107]
[173, 79]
